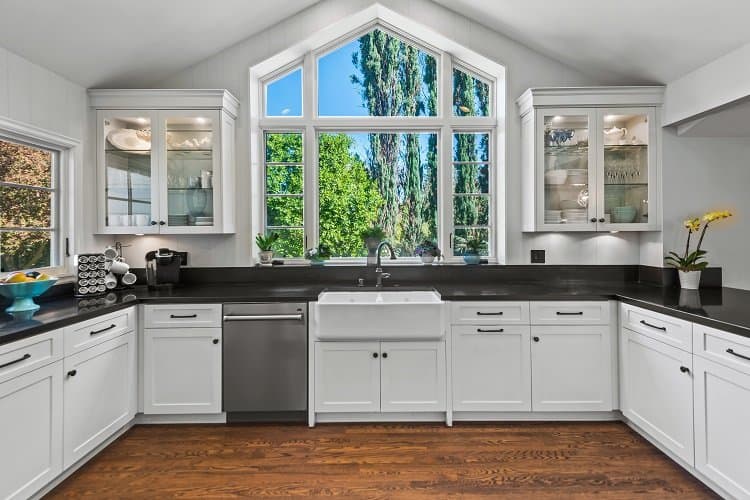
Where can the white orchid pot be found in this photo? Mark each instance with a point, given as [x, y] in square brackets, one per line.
[427, 259]
[265, 257]
[690, 280]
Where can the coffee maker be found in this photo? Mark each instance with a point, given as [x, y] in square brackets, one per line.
[163, 267]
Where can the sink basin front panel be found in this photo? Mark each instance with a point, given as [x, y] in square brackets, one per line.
[388, 321]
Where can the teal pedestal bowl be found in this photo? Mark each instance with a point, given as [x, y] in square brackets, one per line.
[23, 294]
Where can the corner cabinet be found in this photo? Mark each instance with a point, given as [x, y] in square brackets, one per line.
[590, 158]
[165, 160]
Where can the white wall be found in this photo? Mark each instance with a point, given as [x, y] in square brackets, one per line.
[525, 68]
[36, 96]
[703, 174]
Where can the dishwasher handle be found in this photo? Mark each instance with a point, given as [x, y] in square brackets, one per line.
[264, 317]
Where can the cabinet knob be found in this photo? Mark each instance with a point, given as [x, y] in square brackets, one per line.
[162, 223]
[385, 354]
[374, 355]
[72, 373]
[593, 219]
[602, 219]
[216, 341]
[684, 369]
[536, 339]
[153, 223]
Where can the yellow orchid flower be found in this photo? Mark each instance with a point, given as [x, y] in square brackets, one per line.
[716, 215]
[693, 224]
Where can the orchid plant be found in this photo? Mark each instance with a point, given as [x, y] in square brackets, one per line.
[695, 260]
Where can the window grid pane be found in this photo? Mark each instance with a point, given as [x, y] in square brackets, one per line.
[284, 192]
[472, 198]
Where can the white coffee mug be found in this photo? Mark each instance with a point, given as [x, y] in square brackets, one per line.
[119, 267]
[110, 253]
[115, 220]
[128, 279]
[141, 220]
[110, 281]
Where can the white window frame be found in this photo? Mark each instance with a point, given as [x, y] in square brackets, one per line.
[448, 54]
[63, 149]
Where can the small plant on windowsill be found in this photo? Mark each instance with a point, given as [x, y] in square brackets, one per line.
[318, 256]
[265, 245]
[427, 251]
[472, 249]
[372, 237]
[691, 264]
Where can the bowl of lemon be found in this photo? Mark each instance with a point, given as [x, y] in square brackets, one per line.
[23, 288]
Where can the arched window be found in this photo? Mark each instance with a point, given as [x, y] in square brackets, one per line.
[379, 131]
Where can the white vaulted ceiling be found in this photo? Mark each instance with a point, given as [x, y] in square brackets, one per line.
[130, 43]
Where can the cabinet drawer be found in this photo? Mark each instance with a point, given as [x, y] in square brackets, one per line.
[182, 315]
[726, 348]
[570, 313]
[490, 313]
[667, 329]
[27, 354]
[93, 332]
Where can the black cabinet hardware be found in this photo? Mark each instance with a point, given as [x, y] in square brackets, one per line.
[385, 354]
[374, 355]
[162, 223]
[730, 351]
[602, 219]
[593, 219]
[182, 316]
[536, 339]
[22, 358]
[662, 328]
[684, 369]
[97, 332]
[490, 330]
[72, 373]
[216, 341]
[480, 313]
[561, 313]
[153, 223]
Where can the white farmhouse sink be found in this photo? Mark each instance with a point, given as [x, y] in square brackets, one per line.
[360, 315]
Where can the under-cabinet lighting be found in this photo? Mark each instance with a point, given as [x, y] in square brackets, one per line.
[609, 118]
[141, 121]
[557, 119]
[200, 120]
[139, 234]
[614, 232]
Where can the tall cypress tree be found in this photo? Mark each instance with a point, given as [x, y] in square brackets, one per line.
[465, 208]
[412, 182]
[430, 179]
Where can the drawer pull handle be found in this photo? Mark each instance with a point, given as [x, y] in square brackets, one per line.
[182, 316]
[72, 373]
[490, 330]
[480, 313]
[662, 328]
[97, 332]
[22, 358]
[535, 339]
[561, 313]
[216, 341]
[684, 369]
[730, 351]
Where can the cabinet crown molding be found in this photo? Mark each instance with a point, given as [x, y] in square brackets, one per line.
[652, 95]
[164, 99]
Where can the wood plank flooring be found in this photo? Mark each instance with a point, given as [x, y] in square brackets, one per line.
[518, 460]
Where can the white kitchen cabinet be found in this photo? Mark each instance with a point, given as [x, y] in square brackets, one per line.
[589, 158]
[347, 376]
[99, 393]
[722, 412]
[571, 368]
[165, 161]
[182, 370]
[31, 431]
[658, 391]
[491, 368]
[412, 376]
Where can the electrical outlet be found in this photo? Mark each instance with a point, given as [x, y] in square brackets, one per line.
[537, 256]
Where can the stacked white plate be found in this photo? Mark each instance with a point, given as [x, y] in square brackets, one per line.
[178, 220]
[578, 176]
[552, 216]
[204, 221]
[575, 215]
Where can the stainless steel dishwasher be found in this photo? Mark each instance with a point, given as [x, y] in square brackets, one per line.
[265, 362]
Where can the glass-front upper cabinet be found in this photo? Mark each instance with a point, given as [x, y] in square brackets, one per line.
[627, 158]
[166, 163]
[127, 162]
[589, 158]
[191, 155]
[568, 164]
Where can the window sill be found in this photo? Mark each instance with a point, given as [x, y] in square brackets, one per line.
[453, 261]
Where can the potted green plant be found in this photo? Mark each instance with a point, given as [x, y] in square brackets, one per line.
[265, 245]
[427, 251]
[690, 264]
[317, 256]
[472, 250]
[372, 237]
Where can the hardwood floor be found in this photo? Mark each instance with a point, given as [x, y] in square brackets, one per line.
[521, 460]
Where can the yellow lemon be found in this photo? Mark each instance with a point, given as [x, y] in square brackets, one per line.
[16, 278]
[43, 277]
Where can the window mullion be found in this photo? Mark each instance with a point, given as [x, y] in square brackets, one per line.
[445, 155]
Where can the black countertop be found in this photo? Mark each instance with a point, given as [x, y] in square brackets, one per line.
[723, 308]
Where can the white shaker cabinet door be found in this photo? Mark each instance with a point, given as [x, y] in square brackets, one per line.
[491, 368]
[722, 413]
[99, 391]
[658, 387]
[347, 376]
[182, 371]
[571, 368]
[31, 431]
[412, 376]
